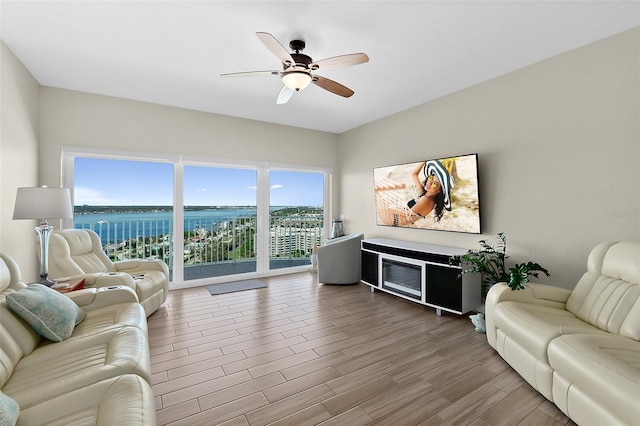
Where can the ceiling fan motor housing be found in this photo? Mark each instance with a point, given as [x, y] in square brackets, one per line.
[301, 60]
[297, 45]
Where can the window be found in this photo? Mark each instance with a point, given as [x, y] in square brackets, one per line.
[205, 220]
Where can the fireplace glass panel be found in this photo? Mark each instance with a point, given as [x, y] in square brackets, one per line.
[402, 278]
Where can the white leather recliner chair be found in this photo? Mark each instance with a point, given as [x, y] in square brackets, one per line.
[78, 252]
[339, 260]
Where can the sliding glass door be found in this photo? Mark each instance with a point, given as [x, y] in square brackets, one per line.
[220, 221]
[296, 216]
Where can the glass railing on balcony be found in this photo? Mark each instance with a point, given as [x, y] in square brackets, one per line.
[231, 239]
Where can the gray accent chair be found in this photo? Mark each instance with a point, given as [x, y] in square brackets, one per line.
[339, 260]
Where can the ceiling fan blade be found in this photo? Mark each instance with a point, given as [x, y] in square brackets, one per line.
[340, 61]
[284, 95]
[332, 86]
[249, 73]
[276, 48]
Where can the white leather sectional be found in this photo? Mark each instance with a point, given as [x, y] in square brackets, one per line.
[580, 348]
[99, 375]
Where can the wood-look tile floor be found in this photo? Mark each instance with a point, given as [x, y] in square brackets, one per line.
[298, 353]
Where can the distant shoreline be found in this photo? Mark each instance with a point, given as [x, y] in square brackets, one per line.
[87, 209]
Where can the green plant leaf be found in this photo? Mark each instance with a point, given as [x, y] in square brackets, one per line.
[489, 261]
[519, 274]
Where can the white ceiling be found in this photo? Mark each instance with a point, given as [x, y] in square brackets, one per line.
[173, 52]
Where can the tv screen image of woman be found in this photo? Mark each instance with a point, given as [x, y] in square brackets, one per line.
[440, 194]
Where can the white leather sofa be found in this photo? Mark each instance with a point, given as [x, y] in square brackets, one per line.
[579, 348]
[339, 260]
[78, 252]
[98, 375]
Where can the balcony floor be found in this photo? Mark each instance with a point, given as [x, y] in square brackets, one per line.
[219, 269]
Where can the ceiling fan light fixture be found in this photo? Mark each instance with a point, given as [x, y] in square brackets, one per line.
[296, 80]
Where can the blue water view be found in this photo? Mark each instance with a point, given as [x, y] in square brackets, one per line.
[118, 227]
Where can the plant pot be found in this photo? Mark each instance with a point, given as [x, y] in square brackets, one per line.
[478, 322]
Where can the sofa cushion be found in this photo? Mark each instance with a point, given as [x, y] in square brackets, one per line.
[16, 336]
[113, 316]
[17, 339]
[76, 252]
[51, 314]
[126, 400]
[621, 262]
[607, 303]
[608, 294]
[9, 410]
[596, 368]
[56, 369]
[534, 326]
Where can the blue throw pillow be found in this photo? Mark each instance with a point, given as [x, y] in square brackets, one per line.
[51, 314]
[9, 411]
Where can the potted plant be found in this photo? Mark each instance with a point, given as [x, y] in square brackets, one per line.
[489, 260]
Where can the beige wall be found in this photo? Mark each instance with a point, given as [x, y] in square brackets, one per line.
[81, 119]
[18, 158]
[559, 151]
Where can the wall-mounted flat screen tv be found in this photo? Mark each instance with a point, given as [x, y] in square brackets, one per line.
[440, 194]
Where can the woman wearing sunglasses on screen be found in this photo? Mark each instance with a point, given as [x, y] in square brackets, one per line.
[435, 187]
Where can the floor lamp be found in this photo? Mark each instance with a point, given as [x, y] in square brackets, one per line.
[43, 203]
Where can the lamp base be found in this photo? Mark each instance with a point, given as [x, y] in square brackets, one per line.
[46, 281]
[43, 232]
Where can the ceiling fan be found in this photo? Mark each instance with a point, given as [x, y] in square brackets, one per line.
[298, 69]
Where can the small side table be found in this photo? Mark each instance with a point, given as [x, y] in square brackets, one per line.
[67, 286]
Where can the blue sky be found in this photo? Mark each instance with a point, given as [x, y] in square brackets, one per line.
[102, 182]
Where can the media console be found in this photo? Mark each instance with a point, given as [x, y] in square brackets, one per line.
[420, 273]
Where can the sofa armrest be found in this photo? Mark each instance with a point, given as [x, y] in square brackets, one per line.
[94, 298]
[108, 279]
[133, 266]
[69, 278]
[533, 293]
[541, 294]
[548, 294]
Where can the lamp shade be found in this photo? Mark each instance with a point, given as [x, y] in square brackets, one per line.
[43, 203]
[296, 80]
